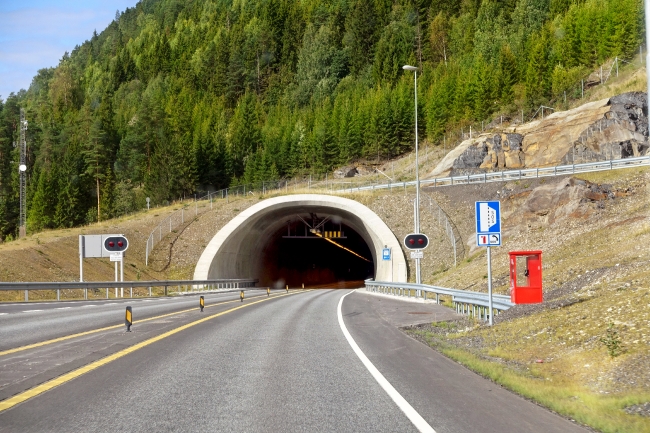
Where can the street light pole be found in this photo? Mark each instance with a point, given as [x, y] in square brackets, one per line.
[418, 276]
[647, 48]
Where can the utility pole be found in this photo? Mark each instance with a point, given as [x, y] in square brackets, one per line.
[22, 169]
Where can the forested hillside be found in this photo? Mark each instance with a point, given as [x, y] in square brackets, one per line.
[180, 96]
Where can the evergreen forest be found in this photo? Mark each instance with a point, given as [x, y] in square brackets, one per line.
[178, 97]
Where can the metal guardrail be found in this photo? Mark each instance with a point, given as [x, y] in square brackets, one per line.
[474, 304]
[500, 176]
[178, 218]
[187, 285]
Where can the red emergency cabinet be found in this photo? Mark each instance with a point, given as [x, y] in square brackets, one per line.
[525, 277]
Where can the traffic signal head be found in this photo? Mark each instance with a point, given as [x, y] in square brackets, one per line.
[416, 241]
[116, 244]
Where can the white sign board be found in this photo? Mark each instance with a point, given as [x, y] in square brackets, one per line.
[93, 245]
[116, 257]
[417, 254]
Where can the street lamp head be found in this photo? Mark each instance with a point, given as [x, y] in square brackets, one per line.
[409, 68]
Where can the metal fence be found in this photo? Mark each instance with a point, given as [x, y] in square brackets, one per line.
[501, 176]
[450, 228]
[473, 304]
[178, 218]
[175, 285]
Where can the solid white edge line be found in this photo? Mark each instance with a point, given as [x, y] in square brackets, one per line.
[404, 405]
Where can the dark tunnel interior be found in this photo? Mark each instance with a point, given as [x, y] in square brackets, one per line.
[295, 255]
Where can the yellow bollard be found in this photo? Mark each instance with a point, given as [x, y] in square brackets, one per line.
[241, 295]
[303, 286]
[287, 288]
[128, 319]
[268, 291]
[201, 303]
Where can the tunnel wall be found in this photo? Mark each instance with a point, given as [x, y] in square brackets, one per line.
[236, 250]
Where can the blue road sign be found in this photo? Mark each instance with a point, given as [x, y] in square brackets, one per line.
[385, 254]
[488, 217]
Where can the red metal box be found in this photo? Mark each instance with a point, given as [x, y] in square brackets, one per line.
[526, 277]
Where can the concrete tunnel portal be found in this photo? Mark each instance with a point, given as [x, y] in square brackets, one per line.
[309, 238]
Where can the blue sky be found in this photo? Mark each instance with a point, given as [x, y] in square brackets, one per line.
[34, 34]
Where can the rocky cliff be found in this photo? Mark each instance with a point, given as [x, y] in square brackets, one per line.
[611, 128]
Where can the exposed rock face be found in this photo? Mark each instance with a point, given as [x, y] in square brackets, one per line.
[349, 171]
[608, 129]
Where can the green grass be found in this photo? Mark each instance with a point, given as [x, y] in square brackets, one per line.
[603, 412]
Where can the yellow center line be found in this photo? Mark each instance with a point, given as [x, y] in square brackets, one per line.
[40, 389]
[107, 328]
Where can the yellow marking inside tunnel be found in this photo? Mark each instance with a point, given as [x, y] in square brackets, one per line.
[341, 246]
[107, 328]
[40, 389]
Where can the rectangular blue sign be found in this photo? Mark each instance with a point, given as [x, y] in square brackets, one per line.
[488, 217]
[385, 254]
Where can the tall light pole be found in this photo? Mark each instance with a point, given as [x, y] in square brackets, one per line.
[647, 49]
[418, 277]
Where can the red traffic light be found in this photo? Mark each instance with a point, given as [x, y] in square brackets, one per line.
[416, 241]
[116, 244]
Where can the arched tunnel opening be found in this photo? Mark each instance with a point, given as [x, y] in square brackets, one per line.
[313, 239]
[316, 250]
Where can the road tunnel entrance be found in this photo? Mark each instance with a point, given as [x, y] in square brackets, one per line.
[316, 250]
[311, 239]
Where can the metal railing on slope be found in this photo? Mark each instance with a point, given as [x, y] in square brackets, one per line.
[168, 224]
[500, 176]
[188, 285]
[474, 304]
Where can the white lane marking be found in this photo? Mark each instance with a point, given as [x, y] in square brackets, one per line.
[64, 308]
[3, 314]
[31, 311]
[89, 305]
[404, 405]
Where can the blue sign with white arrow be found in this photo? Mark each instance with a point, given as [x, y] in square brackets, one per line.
[385, 254]
[488, 217]
[488, 223]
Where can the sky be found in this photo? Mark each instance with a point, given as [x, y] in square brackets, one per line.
[34, 34]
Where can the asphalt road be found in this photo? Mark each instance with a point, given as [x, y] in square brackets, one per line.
[281, 364]
[27, 323]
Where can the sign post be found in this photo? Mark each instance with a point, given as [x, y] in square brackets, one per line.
[488, 234]
[386, 256]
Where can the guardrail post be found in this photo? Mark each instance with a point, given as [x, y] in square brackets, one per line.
[165, 290]
[26, 295]
[58, 294]
[131, 291]
[86, 294]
